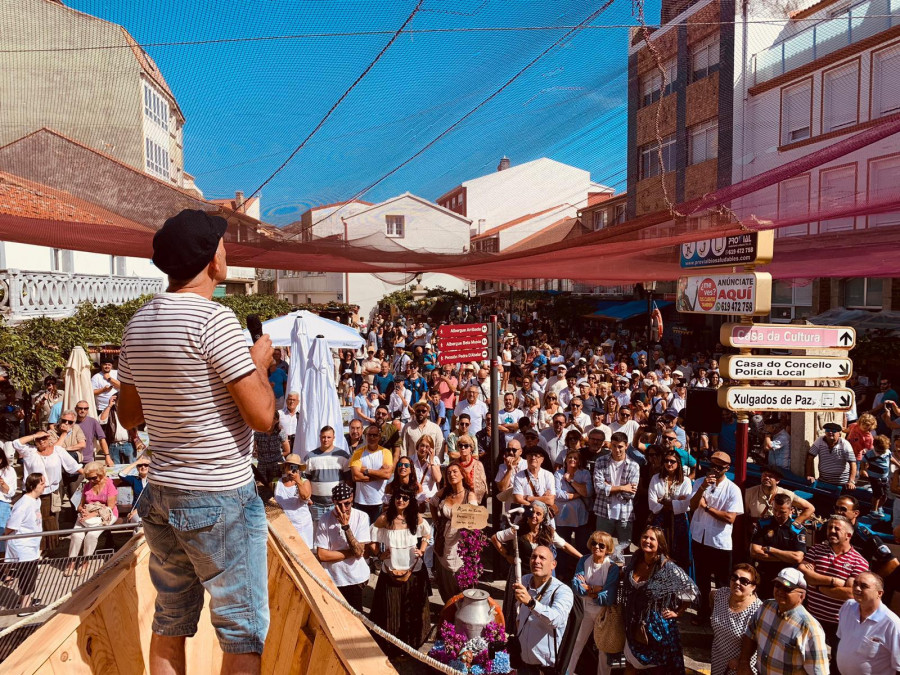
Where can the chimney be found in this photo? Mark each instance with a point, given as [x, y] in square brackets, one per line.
[504, 163]
[239, 202]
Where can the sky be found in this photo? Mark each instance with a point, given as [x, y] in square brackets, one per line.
[267, 74]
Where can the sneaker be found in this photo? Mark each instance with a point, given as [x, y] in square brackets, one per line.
[878, 513]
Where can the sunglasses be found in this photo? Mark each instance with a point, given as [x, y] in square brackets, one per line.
[67, 421]
[719, 467]
[401, 498]
[404, 465]
[293, 468]
[374, 434]
[670, 461]
[743, 581]
[463, 445]
[598, 544]
[80, 408]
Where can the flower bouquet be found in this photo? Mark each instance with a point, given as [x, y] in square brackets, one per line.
[477, 656]
[469, 549]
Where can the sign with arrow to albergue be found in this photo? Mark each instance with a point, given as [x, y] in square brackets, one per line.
[743, 367]
[791, 399]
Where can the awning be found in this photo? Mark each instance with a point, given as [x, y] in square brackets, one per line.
[621, 310]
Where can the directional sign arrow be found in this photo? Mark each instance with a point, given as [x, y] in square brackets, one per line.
[845, 401]
[846, 338]
[843, 370]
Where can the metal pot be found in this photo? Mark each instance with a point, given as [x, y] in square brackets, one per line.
[474, 612]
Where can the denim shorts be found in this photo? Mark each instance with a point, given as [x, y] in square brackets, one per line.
[211, 540]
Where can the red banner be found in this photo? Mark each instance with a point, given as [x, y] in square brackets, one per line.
[460, 330]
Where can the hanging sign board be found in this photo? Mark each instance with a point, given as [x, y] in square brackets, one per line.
[463, 356]
[749, 248]
[459, 330]
[787, 336]
[747, 294]
[791, 399]
[741, 367]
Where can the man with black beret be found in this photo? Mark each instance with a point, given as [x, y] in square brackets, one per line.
[185, 369]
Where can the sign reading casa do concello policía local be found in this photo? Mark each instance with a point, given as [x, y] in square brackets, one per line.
[742, 367]
[748, 293]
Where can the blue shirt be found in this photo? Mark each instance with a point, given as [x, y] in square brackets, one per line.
[278, 379]
[383, 382]
[879, 465]
[136, 485]
[418, 387]
[728, 439]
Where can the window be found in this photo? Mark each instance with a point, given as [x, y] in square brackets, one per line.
[156, 108]
[601, 219]
[704, 59]
[651, 83]
[703, 141]
[650, 158]
[157, 161]
[886, 82]
[884, 177]
[796, 112]
[620, 214]
[863, 292]
[837, 189]
[117, 266]
[840, 97]
[394, 225]
[790, 302]
[793, 202]
[61, 260]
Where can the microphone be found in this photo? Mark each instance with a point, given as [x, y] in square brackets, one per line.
[254, 325]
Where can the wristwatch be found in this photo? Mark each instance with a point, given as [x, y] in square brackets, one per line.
[532, 603]
[365, 471]
[345, 527]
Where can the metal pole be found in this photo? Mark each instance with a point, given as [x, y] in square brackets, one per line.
[649, 323]
[495, 419]
[99, 528]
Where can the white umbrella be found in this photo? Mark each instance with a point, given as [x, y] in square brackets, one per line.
[338, 335]
[320, 403]
[77, 382]
[300, 345]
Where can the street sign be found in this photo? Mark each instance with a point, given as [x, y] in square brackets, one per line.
[748, 248]
[462, 357]
[462, 330]
[749, 293]
[792, 399]
[787, 336]
[462, 344]
[741, 367]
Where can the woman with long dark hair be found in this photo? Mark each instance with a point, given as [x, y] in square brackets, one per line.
[404, 479]
[657, 592]
[669, 497]
[457, 490]
[399, 539]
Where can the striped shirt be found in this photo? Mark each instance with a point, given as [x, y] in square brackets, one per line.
[324, 470]
[834, 463]
[841, 566]
[788, 643]
[179, 351]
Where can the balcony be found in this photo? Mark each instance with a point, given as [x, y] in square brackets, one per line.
[860, 21]
[24, 295]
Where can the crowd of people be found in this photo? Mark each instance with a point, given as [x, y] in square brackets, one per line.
[610, 499]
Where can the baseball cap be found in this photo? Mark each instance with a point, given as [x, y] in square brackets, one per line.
[187, 242]
[790, 578]
[721, 456]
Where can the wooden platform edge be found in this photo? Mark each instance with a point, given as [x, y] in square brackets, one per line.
[352, 642]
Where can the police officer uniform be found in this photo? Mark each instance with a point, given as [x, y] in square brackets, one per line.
[769, 534]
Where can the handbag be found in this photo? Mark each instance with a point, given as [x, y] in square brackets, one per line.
[609, 629]
[55, 502]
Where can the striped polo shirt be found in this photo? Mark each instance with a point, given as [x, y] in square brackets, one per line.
[834, 463]
[180, 350]
[324, 469]
[841, 566]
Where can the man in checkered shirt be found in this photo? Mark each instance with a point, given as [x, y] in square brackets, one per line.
[782, 635]
[616, 478]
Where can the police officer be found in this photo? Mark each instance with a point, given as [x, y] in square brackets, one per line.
[871, 546]
[778, 542]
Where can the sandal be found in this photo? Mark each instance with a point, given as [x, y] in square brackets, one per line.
[69, 572]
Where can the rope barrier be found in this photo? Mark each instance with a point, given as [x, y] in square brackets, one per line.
[40, 614]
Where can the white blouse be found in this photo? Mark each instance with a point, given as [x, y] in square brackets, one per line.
[659, 489]
[401, 544]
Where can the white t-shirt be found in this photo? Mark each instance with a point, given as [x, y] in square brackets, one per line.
[330, 536]
[629, 429]
[476, 411]
[510, 417]
[181, 350]
[288, 421]
[501, 471]
[296, 509]
[371, 493]
[25, 518]
[99, 382]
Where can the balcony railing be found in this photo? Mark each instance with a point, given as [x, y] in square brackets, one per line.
[57, 294]
[860, 21]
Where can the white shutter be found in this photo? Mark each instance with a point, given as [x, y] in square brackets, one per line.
[793, 200]
[886, 82]
[837, 189]
[884, 177]
[840, 97]
[795, 113]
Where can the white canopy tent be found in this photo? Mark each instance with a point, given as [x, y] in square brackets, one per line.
[337, 335]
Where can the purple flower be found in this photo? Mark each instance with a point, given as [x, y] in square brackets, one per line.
[495, 634]
[469, 548]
